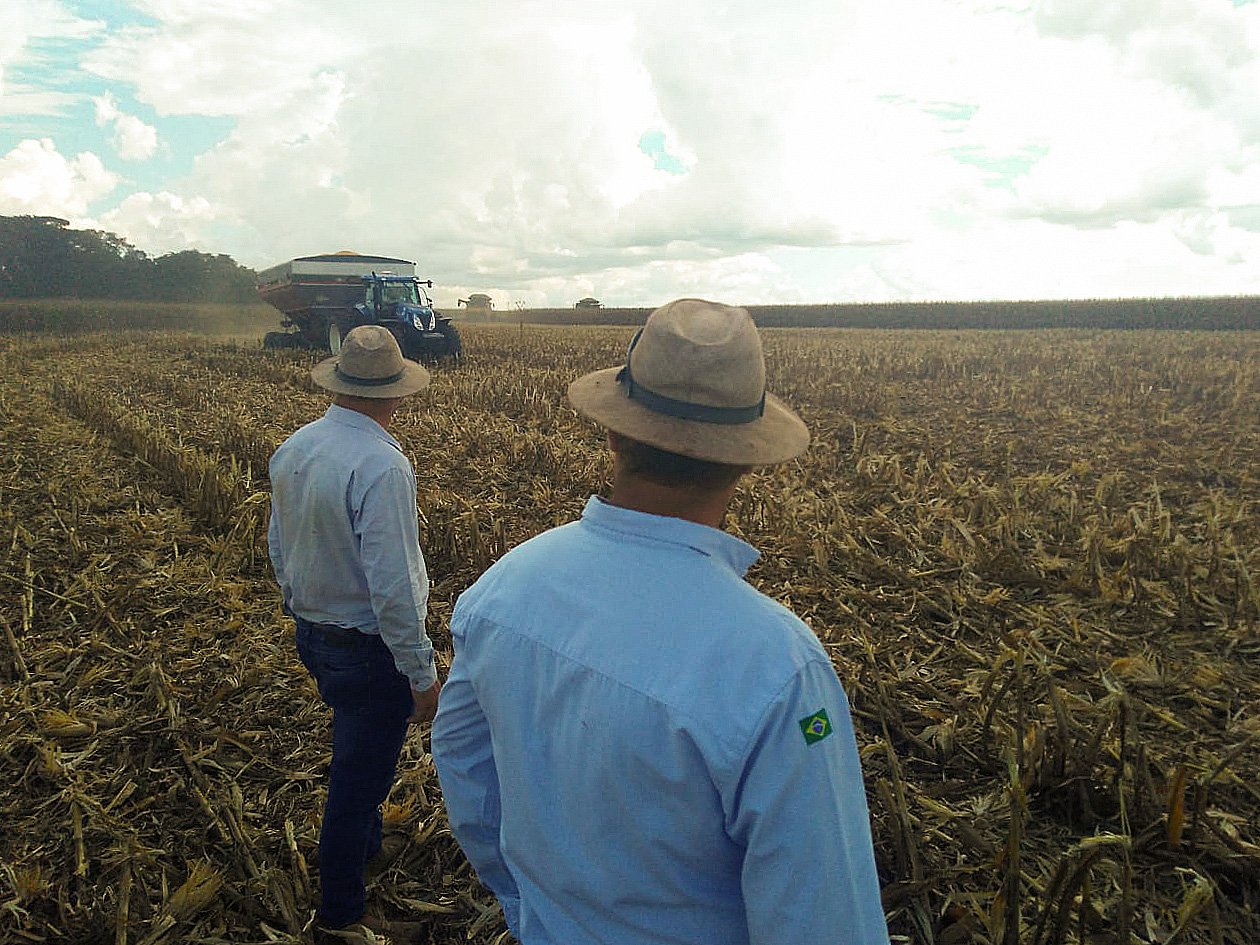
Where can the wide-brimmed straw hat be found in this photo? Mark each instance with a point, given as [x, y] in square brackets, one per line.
[694, 383]
[370, 364]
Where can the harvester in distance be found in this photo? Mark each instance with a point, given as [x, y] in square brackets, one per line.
[323, 297]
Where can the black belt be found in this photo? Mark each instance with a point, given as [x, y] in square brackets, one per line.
[331, 633]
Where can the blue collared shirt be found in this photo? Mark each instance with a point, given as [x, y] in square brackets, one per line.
[636, 746]
[344, 539]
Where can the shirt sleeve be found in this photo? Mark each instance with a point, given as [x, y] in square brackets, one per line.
[799, 810]
[275, 550]
[389, 546]
[464, 758]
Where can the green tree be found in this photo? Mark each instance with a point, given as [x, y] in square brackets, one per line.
[42, 257]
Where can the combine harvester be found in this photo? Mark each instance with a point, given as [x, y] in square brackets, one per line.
[323, 297]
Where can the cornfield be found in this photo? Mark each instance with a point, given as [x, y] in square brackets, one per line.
[1033, 556]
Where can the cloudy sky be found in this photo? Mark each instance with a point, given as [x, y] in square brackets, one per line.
[813, 151]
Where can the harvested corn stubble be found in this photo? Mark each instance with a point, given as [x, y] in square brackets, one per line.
[1033, 556]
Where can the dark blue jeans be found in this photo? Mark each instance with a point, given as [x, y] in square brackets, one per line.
[371, 703]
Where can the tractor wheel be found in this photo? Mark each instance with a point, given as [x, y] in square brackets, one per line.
[334, 336]
[275, 340]
[454, 344]
[400, 335]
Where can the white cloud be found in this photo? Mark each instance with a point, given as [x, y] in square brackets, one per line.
[1092, 149]
[1236, 183]
[746, 278]
[133, 139]
[22, 26]
[1131, 154]
[237, 59]
[23, 23]
[1032, 259]
[163, 222]
[35, 178]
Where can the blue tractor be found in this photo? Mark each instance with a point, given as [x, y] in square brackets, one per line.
[323, 297]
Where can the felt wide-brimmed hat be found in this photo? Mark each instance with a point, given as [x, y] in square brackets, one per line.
[694, 383]
[370, 364]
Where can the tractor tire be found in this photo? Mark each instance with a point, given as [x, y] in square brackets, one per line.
[275, 340]
[454, 344]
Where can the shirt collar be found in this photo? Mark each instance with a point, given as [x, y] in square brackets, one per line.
[352, 418]
[737, 554]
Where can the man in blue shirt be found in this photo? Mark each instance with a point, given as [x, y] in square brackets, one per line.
[634, 745]
[344, 543]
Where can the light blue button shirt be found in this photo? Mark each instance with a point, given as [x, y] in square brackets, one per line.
[344, 539]
[636, 746]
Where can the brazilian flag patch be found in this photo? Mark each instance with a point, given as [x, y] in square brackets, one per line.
[816, 727]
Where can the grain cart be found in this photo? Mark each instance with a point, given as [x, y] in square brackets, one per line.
[323, 297]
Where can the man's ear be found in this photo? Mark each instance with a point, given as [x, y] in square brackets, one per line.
[614, 441]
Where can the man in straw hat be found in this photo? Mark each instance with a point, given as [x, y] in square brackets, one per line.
[635, 745]
[344, 542]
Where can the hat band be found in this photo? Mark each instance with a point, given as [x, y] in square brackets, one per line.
[685, 409]
[369, 381]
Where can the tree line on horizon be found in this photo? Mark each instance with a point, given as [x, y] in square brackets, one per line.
[1189, 313]
[43, 257]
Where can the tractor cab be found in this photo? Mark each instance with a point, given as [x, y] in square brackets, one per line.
[382, 292]
[400, 299]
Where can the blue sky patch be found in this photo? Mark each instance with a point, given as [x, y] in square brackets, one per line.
[1002, 169]
[112, 13]
[957, 112]
[67, 113]
[951, 111]
[652, 143]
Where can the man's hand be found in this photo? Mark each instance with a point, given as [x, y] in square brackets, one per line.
[425, 703]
